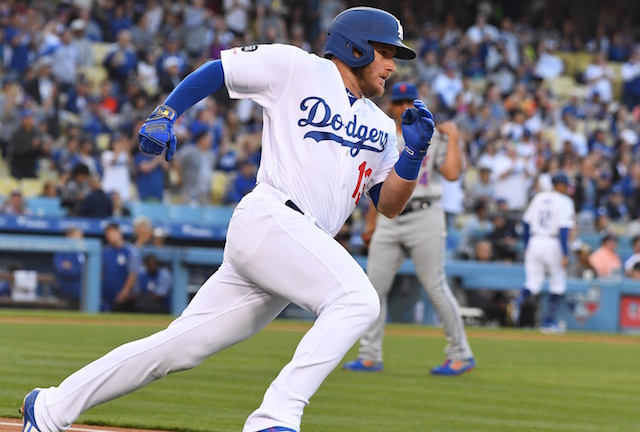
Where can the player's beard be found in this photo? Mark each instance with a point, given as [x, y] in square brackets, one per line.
[366, 81]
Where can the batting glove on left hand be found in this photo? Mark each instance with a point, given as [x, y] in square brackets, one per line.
[157, 133]
[417, 130]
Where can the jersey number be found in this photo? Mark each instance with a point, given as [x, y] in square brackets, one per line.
[364, 172]
[544, 218]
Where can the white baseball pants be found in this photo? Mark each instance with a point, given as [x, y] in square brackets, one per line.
[273, 256]
[544, 254]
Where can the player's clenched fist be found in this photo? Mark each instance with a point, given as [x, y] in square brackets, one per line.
[417, 130]
[157, 133]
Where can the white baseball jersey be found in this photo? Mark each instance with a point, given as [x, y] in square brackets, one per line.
[325, 153]
[548, 212]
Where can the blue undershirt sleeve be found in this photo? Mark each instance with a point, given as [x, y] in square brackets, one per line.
[525, 233]
[199, 84]
[564, 240]
[374, 194]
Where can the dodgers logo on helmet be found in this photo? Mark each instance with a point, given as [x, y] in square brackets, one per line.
[356, 28]
[583, 305]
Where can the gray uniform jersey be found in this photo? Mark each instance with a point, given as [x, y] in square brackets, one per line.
[429, 179]
[419, 234]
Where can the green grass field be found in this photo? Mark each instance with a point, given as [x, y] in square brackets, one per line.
[524, 381]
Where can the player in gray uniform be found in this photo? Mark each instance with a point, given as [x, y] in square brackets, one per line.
[420, 233]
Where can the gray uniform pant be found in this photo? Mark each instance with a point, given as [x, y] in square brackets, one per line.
[421, 235]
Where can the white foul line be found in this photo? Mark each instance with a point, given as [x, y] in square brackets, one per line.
[71, 429]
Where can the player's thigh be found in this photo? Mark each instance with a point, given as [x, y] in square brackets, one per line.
[557, 273]
[534, 268]
[425, 237]
[287, 255]
[229, 308]
[385, 256]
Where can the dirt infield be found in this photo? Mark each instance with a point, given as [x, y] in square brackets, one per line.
[473, 332]
[14, 425]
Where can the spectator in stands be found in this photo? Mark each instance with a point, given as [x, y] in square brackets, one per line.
[617, 210]
[447, 86]
[242, 184]
[171, 75]
[142, 231]
[21, 42]
[65, 60]
[482, 32]
[483, 189]
[147, 72]
[141, 34]
[580, 267]
[68, 268]
[117, 165]
[119, 21]
[119, 208]
[153, 295]
[150, 174]
[172, 49]
[630, 72]
[9, 116]
[474, 230]
[599, 76]
[122, 60]
[76, 189]
[549, 65]
[14, 204]
[26, 147]
[95, 119]
[634, 258]
[194, 165]
[605, 259]
[120, 270]
[159, 237]
[503, 238]
[97, 204]
[513, 176]
[50, 190]
[81, 42]
[43, 87]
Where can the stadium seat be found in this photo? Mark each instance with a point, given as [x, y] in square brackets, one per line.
[561, 86]
[103, 141]
[100, 51]
[31, 187]
[96, 75]
[219, 182]
[7, 184]
[217, 215]
[154, 211]
[46, 206]
[184, 213]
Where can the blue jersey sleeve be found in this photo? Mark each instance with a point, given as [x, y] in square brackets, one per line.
[199, 84]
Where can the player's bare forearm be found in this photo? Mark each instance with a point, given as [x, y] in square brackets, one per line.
[452, 166]
[394, 194]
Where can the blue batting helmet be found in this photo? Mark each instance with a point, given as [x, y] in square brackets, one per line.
[355, 28]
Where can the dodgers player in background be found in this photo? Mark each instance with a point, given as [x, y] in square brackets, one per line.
[418, 232]
[547, 223]
[325, 144]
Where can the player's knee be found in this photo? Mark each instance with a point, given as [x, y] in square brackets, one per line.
[367, 303]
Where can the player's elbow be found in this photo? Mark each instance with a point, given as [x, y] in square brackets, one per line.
[389, 211]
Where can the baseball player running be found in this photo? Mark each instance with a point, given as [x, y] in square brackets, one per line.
[325, 144]
[546, 226]
[420, 233]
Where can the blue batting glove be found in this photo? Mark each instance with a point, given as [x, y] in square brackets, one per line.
[156, 134]
[417, 130]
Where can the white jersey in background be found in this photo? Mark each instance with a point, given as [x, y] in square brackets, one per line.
[429, 179]
[548, 212]
[325, 153]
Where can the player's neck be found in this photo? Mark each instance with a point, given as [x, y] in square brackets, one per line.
[349, 79]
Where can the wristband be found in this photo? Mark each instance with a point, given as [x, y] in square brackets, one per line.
[408, 167]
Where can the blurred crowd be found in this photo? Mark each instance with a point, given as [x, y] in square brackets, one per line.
[80, 76]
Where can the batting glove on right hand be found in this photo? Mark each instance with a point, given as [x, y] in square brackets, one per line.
[417, 130]
[156, 134]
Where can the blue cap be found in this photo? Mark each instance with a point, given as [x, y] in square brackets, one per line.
[560, 178]
[26, 112]
[404, 91]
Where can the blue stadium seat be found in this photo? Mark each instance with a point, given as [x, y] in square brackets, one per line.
[217, 215]
[46, 207]
[155, 211]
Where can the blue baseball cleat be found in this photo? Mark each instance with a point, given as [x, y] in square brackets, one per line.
[28, 416]
[550, 327]
[454, 367]
[361, 365]
[277, 429]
